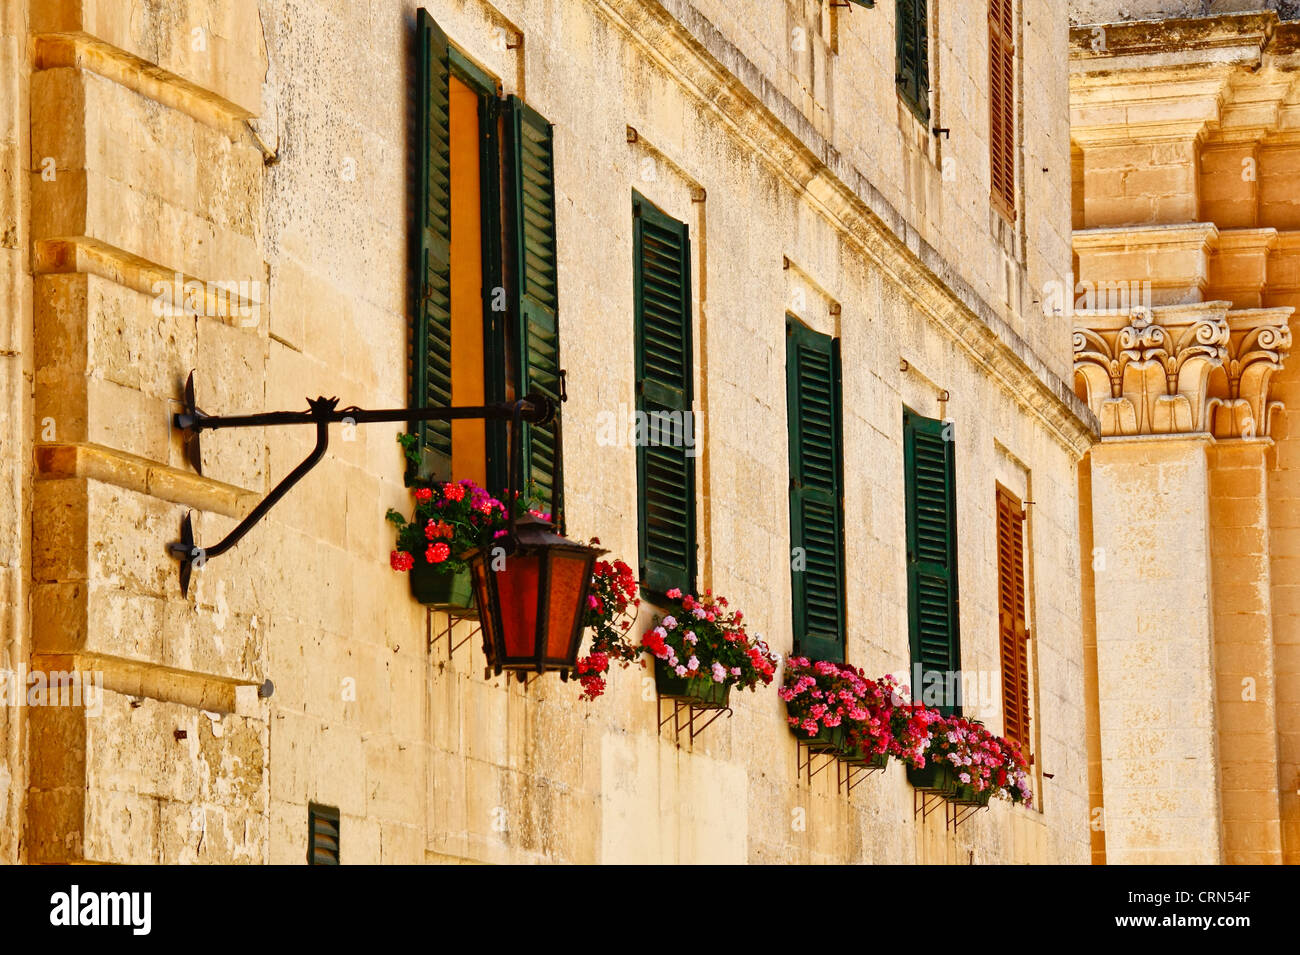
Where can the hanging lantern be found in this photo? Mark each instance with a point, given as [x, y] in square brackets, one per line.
[532, 594]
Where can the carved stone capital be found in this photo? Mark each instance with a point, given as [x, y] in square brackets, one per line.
[1259, 345]
[1146, 372]
[1183, 369]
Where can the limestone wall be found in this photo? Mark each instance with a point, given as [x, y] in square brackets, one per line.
[278, 155]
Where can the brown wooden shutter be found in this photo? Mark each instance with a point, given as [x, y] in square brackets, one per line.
[1002, 101]
[1012, 628]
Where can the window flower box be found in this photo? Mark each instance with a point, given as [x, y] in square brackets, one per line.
[933, 777]
[699, 691]
[449, 520]
[827, 739]
[449, 591]
[856, 754]
[835, 708]
[966, 795]
[702, 649]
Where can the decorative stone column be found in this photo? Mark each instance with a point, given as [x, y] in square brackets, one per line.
[1181, 578]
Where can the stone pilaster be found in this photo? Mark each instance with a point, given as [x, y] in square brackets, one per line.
[1182, 578]
[1155, 650]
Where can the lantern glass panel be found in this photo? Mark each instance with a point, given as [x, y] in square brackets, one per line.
[568, 579]
[517, 591]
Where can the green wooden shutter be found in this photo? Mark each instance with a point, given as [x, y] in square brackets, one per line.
[816, 496]
[664, 366]
[322, 835]
[530, 155]
[430, 350]
[931, 550]
[911, 37]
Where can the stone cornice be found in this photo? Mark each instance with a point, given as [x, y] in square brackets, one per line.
[1169, 263]
[97, 462]
[1182, 369]
[1231, 77]
[80, 50]
[1233, 37]
[1190, 236]
[687, 47]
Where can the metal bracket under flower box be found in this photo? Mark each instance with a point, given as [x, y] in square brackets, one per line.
[957, 813]
[848, 775]
[805, 755]
[680, 706]
[533, 408]
[453, 618]
[925, 801]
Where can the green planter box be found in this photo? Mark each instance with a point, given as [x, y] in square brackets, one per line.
[832, 740]
[967, 796]
[452, 592]
[697, 690]
[856, 757]
[935, 777]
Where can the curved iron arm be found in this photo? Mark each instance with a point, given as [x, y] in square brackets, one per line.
[537, 409]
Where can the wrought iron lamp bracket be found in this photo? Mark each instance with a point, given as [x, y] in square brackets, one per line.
[321, 413]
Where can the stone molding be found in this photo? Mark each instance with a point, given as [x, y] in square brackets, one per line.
[1178, 78]
[82, 51]
[1239, 267]
[1173, 260]
[704, 63]
[1189, 369]
[96, 462]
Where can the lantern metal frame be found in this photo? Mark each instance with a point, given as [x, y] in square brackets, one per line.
[528, 536]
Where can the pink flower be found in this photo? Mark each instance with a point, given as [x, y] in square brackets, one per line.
[674, 593]
[719, 672]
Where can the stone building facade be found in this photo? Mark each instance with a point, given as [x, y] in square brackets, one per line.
[1185, 149]
[262, 148]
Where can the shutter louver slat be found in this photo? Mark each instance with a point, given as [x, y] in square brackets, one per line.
[816, 509]
[665, 470]
[931, 549]
[430, 353]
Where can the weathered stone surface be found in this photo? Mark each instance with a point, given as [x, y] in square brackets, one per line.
[1183, 135]
[775, 157]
